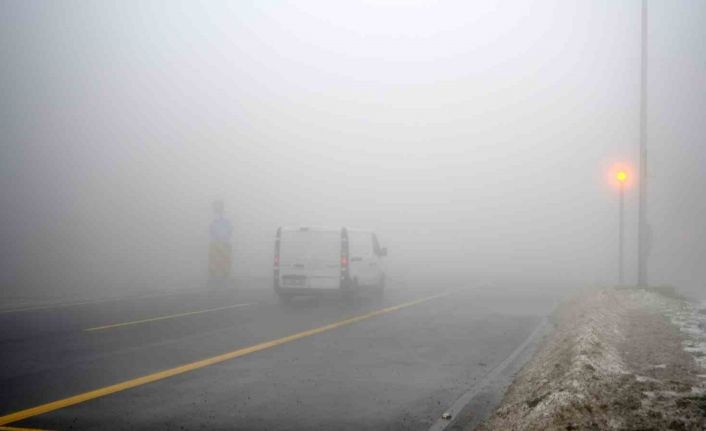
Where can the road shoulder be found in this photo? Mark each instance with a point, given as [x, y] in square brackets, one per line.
[615, 360]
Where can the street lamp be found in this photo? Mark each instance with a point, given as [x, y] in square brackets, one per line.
[622, 177]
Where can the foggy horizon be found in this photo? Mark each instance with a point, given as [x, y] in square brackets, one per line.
[475, 139]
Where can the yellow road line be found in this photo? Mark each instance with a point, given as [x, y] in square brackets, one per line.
[170, 316]
[150, 378]
[20, 429]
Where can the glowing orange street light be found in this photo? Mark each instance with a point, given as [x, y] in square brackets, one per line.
[622, 177]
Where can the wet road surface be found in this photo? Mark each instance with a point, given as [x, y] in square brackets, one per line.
[240, 360]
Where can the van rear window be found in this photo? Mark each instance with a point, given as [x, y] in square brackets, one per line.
[310, 246]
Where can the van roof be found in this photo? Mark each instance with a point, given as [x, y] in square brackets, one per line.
[310, 228]
[321, 229]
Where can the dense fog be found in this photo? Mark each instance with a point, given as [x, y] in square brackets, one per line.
[476, 139]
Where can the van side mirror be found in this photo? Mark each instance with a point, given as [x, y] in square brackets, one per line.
[383, 251]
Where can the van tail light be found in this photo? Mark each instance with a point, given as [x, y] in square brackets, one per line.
[344, 257]
[275, 269]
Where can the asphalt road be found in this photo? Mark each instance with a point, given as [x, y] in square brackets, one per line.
[240, 360]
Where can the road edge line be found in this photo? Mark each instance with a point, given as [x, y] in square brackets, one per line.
[79, 302]
[453, 412]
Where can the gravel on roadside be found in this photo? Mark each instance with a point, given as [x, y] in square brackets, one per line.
[616, 360]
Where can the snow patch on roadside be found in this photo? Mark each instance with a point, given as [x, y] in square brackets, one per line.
[690, 318]
[613, 362]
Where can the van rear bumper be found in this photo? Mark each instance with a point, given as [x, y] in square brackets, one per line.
[306, 291]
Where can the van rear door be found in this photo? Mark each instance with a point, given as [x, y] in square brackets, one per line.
[310, 259]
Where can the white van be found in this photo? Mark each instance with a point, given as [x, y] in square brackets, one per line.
[312, 260]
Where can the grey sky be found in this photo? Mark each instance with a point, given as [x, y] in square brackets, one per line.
[474, 137]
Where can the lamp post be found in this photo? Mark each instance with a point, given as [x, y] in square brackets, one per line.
[621, 176]
[642, 226]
